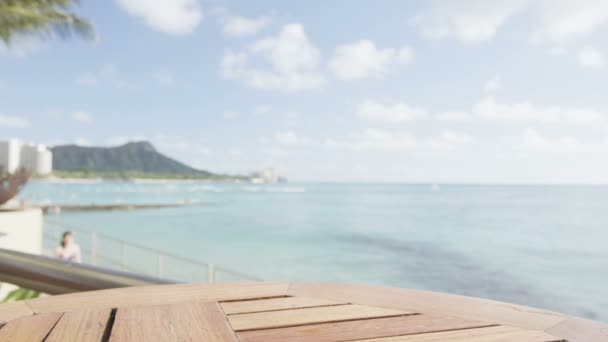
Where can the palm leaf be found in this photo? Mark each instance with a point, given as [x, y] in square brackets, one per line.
[47, 17]
[20, 294]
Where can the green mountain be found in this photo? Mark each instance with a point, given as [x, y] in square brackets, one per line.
[134, 159]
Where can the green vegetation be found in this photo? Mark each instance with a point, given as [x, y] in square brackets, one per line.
[44, 17]
[128, 161]
[20, 294]
[134, 157]
[85, 174]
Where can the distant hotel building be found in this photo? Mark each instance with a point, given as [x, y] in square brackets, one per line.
[35, 157]
[269, 175]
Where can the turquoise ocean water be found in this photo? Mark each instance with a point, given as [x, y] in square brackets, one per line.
[544, 246]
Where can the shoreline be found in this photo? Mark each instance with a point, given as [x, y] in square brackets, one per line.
[57, 208]
[96, 180]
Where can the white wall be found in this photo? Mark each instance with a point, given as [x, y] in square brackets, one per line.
[20, 230]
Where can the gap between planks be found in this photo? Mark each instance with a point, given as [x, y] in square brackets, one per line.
[53, 327]
[278, 304]
[295, 325]
[108, 331]
[361, 329]
[498, 333]
[251, 299]
[290, 309]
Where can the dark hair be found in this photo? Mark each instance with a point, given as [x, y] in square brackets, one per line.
[65, 234]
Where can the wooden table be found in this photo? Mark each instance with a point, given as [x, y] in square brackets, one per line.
[283, 312]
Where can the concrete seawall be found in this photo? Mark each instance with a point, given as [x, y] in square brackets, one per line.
[20, 230]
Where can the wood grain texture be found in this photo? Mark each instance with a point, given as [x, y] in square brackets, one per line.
[433, 303]
[156, 295]
[351, 330]
[490, 334]
[30, 328]
[177, 312]
[285, 318]
[10, 311]
[82, 325]
[580, 330]
[273, 304]
[192, 321]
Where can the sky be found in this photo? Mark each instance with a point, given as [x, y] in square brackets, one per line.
[443, 91]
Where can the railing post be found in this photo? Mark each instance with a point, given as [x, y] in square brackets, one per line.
[93, 248]
[210, 273]
[123, 256]
[159, 265]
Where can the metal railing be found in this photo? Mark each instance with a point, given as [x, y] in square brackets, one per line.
[53, 276]
[107, 251]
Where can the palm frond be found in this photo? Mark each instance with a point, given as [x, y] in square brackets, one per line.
[47, 17]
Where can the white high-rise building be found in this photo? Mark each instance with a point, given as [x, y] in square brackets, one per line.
[35, 157]
[10, 155]
[268, 175]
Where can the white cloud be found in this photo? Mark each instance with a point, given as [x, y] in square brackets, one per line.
[477, 21]
[107, 74]
[82, 142]
[485, 109]
[237, 26]
[169, 16]
[564, 20]
[86, 79]
[492, 85]
[470, 21]
[275, 151]
[533, 141]
[229, 115]
[83, 117]
[489, 109]
[289, 62]
[591, 57]
[288, 138]
[373, 110]
[363, 59]
[453, 116]
[557, 51]
[164, 77]
[262, 109]
[235, 151]
[14, 122]
[388, 140]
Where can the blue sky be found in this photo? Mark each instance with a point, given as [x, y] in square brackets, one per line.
[391, 91]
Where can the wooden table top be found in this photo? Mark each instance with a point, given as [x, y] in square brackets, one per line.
[250, 312]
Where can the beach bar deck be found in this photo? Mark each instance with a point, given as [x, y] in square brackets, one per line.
[249, 312]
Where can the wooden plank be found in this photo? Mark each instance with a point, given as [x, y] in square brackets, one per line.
[30, 328]
[273, 304]
[156, 295]
[580, 330]
[12, 310]
[192, 321]
[490, 334]
[433, 303]
[83, 325]
[352, 330]
[285, 318]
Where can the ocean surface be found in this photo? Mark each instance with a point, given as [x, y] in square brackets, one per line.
[543, 246]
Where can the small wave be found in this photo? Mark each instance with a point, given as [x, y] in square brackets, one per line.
[204, 188]
[286, 189]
